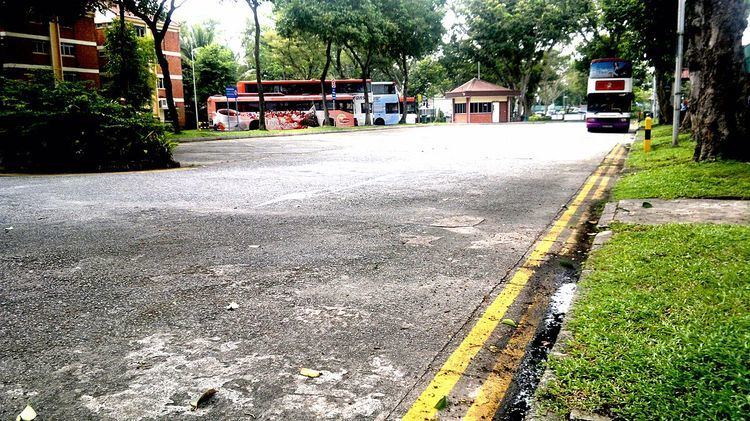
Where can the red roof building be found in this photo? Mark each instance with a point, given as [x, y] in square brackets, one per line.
[479, 101]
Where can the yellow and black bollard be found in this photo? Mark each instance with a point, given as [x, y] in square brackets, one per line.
[647, 139]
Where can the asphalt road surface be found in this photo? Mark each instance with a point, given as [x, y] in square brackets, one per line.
[356, 254]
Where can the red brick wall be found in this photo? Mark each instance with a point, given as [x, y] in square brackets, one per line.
[481, 117]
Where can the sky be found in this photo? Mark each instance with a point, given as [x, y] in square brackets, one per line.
[233, 16]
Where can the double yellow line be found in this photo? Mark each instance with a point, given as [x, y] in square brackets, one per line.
[493, 389]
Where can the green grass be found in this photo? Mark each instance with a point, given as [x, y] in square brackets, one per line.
[661, 328]
[244, 134]
[670, 173]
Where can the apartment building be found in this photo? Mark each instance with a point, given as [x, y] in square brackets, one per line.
[68, 49]
[73, 51]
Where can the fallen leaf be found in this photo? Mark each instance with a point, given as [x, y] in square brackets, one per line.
[205, 397]
[494, 349]
[27, 414]
[233, 306]
[509, 322]
[442, 403]
[308, 372]
[647, 205]
[8, 229]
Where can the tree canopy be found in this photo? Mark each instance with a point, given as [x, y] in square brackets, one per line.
[128, 71]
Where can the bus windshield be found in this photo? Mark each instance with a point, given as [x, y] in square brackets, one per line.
[611, 69]
[609, 103]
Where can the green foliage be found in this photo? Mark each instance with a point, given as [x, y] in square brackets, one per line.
[430, 78]
[69, 10]
[661, 327]
[128, 72]
[215, 69]
[69, 127]
[669, 172]
[510, 38]
[539, 118]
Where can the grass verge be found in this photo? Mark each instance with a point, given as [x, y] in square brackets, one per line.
[670, 173]
[661, 328]
[213, 134]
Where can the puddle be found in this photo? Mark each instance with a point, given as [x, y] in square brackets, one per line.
[530, 372]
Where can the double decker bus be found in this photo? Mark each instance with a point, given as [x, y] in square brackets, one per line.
[610, 94]
[290, 104]
[386, 105]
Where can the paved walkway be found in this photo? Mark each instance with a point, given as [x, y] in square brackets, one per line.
[657, 211]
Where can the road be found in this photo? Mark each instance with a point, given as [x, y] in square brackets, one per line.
[361, 255]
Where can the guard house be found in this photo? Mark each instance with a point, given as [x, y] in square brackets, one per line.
[479, 101]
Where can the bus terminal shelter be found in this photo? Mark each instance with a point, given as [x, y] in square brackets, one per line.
[479, 101]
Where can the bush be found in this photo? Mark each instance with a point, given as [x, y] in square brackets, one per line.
[70, 127]
[540, 118]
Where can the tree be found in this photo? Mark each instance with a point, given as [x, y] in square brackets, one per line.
[416, 29]
[551, 83]
[157, 15]
[191, 39]
[719, 93]
[15, 10]
[329, 22]
[511, 38]
[128, 69]
[215, 68]
[371, 41]
[430, 78]
[254, 4]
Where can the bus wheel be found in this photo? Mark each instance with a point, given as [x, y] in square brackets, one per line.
[254, 125]
[379, 122]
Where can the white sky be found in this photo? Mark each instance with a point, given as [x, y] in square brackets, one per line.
[233, 16]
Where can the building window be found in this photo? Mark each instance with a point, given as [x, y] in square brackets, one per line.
[160, 82]
[71, 77]
[68, 50]
[459, 108]
[41, 47]
[481, 107]
[140, 30]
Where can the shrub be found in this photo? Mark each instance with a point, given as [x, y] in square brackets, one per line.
[70, 127]
[540, 118]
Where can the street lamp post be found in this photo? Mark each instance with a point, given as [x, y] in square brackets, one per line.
[678, 72]
[195, 88]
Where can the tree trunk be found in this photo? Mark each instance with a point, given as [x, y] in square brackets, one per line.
[368, 117]
[323, 75]
[405, 70]
[720, 122]
[664, 96]
[124, 86]
[164, 64]
[258, 74]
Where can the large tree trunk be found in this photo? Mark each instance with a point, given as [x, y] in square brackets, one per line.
[323, 75]
[164, 64]
[720, 116]
[664, 96]
[258, 74]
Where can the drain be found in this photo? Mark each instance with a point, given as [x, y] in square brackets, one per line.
[518, 400]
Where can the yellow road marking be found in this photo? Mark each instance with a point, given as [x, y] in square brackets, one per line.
[570, 241]
[493, 389]
[452, 370]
